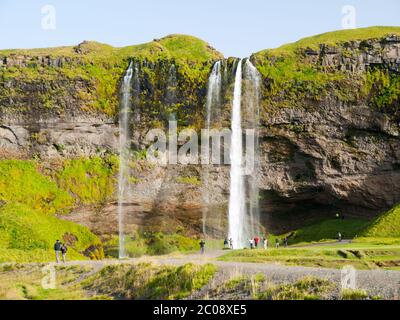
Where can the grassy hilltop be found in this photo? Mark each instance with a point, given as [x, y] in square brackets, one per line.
[100, 67]
[294, 78]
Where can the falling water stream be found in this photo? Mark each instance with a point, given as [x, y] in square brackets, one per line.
[237, 208]
[124, 138]
[212, 104]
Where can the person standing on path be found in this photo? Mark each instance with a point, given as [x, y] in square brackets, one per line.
[251, 243]
[285, 242]
[202, 246]
[226, 243]
[256, 241]
[64, 250]
[231, 243]
[57, 249]
[339, 237]
[276, 243]
[265, 243]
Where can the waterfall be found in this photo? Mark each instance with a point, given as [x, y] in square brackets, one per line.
[213, 100]
[213, 91]
[243, 202]
[251, 103]
[237, 209]
[170, 91]
[124, 138]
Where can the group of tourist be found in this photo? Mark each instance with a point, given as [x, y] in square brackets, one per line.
[60, 248]
[255, 242]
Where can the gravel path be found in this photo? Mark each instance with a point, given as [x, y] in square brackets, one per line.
[384, 283]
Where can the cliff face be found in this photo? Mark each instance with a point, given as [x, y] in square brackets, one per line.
[63, 102]
[329, 137]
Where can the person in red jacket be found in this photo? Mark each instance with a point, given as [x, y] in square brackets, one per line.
[256, 241]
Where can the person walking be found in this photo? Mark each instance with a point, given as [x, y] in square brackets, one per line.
[231, 243]
[226, 244]
[276, 243]
[202, 246]
[265, 243]
[57, 249]
[339, 237]
[64, 250]
[285, 242]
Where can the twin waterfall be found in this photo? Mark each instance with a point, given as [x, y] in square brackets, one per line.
[243, 215]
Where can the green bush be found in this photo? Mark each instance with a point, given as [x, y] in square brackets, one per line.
[152, 243]
[147, 281]
[353, 294]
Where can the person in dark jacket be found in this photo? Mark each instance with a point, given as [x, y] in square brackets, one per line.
[57, 249]
[226, 243]
[202, 246]
[64, 250]
[285, 242]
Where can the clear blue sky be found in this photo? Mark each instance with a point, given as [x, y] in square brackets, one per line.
[236, 28]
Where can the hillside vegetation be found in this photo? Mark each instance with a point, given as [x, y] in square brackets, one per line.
[97, 69]
[27, 235]
[29, 200]
[295, 75]
[385, 226]
[335, 38]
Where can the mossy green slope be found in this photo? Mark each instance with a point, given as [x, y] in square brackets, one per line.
[29, 199]
[98, 68]
[177, 46]
[335, 38]
[293, 80]
[27, 235]
[91, 181]
[328, 230]
[387, 225]
[21, 182]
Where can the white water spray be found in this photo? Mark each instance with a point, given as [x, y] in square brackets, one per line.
[213, 101]
[252, 80]
[237, 206]
[213, 91]
[244, 215]
[123, 185]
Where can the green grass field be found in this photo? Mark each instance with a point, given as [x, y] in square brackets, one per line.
[361, 256]
[374, 244]
[327, 230]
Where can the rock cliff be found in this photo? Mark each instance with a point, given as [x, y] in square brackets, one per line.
[329, 125]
